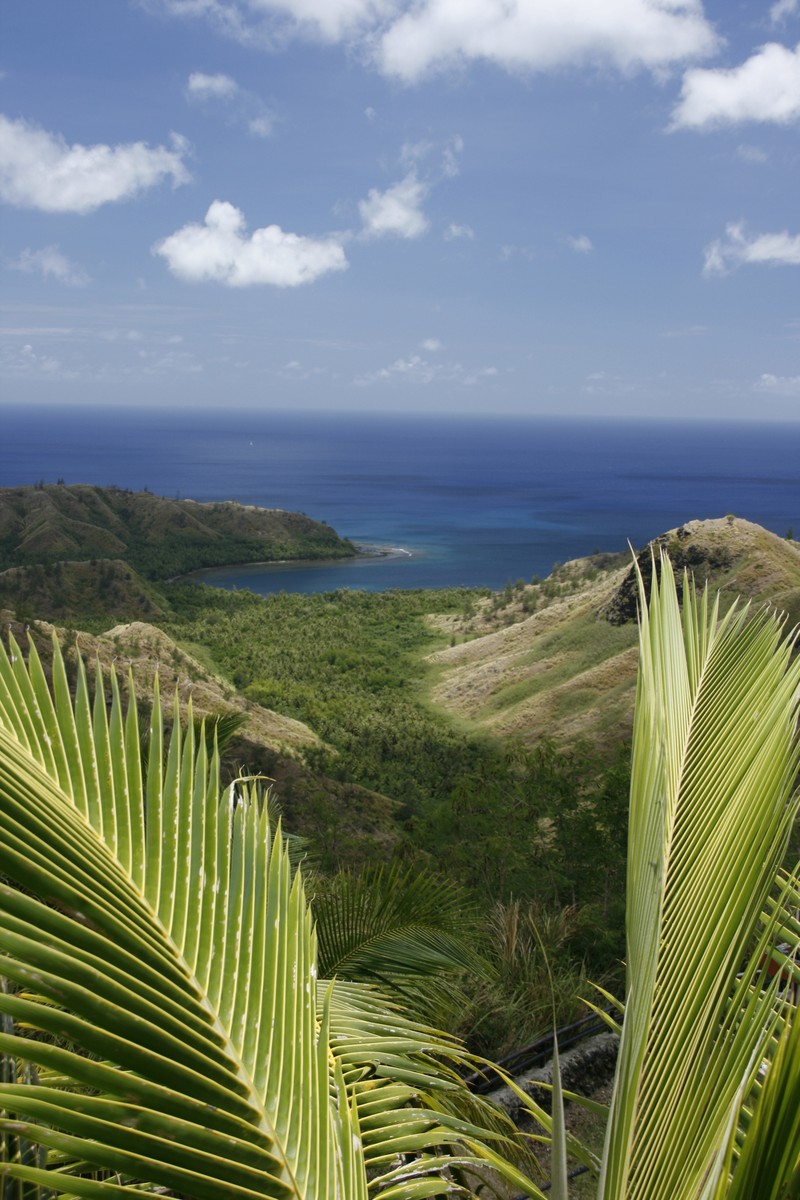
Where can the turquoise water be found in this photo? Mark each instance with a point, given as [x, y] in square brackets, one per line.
[473, 501]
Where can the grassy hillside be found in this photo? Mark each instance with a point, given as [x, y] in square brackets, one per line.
[558, 658]
[83, 593]
[158, 537]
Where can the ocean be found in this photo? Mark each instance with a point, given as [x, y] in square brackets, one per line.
[472, 501]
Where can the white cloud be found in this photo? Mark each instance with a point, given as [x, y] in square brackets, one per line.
[267, 23]
[779, 385]
[431, 345]
[764, 88]
[28, 361]
[222, 251]
[450, 163]
[211, 87]
[261, 126]
[412, 154]
[52, 264]
[543, 35]
[410, 38]
[736, 249]
[417, 370]
[397, 212]
[781, 10]
[454, 232]
[581, 244]
[40, 170]
[243, 107]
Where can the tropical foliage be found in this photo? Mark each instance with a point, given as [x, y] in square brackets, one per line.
[162, 953]
[162, 959]
[510, 821]
[706, 1101]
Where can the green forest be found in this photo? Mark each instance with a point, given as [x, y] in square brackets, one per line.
[518, 825]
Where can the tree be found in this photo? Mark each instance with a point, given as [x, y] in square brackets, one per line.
[161, 948]
[706, 1100]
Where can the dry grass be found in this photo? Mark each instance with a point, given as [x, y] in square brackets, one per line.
[563, 670]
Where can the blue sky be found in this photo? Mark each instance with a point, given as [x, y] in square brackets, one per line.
[530, 206]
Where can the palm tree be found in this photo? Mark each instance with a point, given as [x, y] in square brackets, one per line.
[162, 952]
[706, 1100]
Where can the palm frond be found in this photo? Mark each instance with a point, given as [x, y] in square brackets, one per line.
[161, 945]
[714, 760]
[399, 927]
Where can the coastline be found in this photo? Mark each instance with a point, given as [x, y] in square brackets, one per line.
[365, 551]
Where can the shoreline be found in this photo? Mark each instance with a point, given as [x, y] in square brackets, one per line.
[364, 551]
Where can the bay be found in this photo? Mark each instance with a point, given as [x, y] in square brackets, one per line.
[463, 500]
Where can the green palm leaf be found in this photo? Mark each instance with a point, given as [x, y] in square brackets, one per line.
[399, 927]
[715, 756]
[156, 934]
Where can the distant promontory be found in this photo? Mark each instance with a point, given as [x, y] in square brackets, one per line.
[158, 537]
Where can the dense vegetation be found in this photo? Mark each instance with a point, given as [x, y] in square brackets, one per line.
[531, 831]
[528, 831]
[163, 1026]
[156, 536]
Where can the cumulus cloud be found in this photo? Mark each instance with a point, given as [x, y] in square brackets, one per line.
[764, 88]
[211, 87]
[779, 385]
[397, 212]
[431, 345]
[52, 264]
[221, 250]
[737, 249]
[411, 38]
[41, 170]
[543, 35]
[581, 244]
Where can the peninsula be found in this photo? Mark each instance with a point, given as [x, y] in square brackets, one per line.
[158, 537]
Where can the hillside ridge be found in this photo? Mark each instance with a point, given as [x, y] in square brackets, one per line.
[558, 659]
[159, 537]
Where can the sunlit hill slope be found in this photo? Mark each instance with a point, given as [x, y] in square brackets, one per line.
[558, 658]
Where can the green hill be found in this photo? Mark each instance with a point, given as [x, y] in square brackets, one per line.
[159, 538]
[85, 593]
[558, 659]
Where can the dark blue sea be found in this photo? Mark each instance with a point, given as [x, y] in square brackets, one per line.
[476, 501]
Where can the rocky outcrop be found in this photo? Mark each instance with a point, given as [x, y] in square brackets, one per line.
[585, 1069]
[686, 553]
